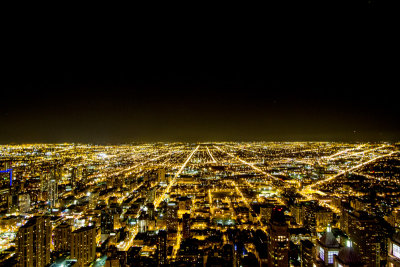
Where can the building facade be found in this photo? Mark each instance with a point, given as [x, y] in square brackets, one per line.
[83, 245]
[278, 240]
[33, 242]
[62, 238]
[362, 230]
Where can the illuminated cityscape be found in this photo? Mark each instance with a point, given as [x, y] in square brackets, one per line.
[223, 134]
[201, 204]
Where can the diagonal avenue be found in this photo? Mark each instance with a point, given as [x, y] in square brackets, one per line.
[159, 199]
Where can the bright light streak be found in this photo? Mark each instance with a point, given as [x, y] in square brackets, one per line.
[158, 201]
[178, 242]
[351, 169]
[345, 151]
[143, 163]
[363, 152]
[247, 203]
[249, 164]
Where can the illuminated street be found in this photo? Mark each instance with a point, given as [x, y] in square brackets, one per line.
[202, 195]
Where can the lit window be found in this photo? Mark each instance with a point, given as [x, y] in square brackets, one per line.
[396, 251]
[321, 253]
[330, 256]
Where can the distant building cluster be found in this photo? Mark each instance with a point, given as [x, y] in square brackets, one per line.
[207, 204]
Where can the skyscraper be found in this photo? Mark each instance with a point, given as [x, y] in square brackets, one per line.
[5, 187]
[323, 217]
[363, 231]
[308, 211]
[142, 221]
[162, 248]
[73, 177]
[172, 215]
[52, 193]
[344, 217]
[24, 202]
[150, 210]
[186, 226]
[62, 238]
[44, 183]
[4, 199]
[296, 211]
[161, 176]
[306, 253]
[83, 245]
[151, 195]
[278, 239]
[107, 222]
[33, 242]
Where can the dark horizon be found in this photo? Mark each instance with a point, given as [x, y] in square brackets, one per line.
[329, 82]
[245, 107]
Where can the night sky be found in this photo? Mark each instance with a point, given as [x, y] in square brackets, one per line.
[232, 79]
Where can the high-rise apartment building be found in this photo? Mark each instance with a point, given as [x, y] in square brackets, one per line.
[162, 248]
[172, 216]
[52, 187]
[308, 211]
[62, 237]
[83, 245]
[186, 226]
[107, 222]
[33, 242]
[278, 239]
[363, 231]
[306, 253]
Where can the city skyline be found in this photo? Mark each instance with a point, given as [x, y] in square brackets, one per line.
[195, 204]
[206, 136]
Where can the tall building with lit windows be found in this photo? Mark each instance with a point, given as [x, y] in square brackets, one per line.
[363, 231]
[172, 216]
[5, 188]
[327, 246]
[161, 176]
[52, 193]
[296, 211]
[62, 237]
[186, 226]
[4, 200]
[107, 222]
[323, 217]
[309, 209]
[73, 177]
[306, 253]
[33, 242]
[162, 248]
[344, 217]
[278, 239]
[83, 245]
